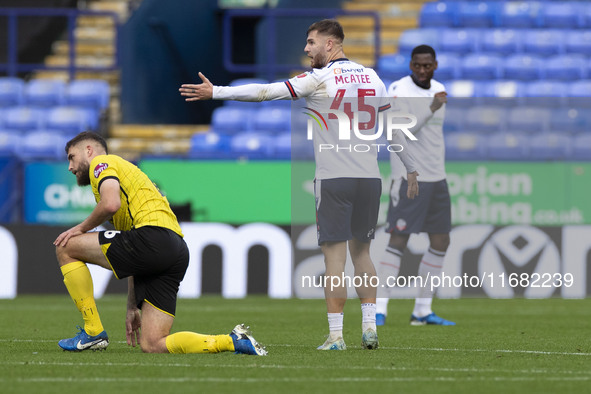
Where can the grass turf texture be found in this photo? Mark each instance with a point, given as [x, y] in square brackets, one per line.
[507, 346]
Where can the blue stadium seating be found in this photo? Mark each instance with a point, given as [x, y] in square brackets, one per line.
[563, 14]
[10, 141]
[544, 42]
[90, 93]
[460, 41]
[209, 145]
[70, 120]
[481, 66]
[578, 41]
[24, 118]
[579, 93]
[500, 92]
[448, 66]
[507, 146]
[45, 92]
[282, 146]
[460, 93]
[11, 91]
[586, 16]
[581, 147]
[465, 146]
[42, 145]
[485, 119]
[274, 120]
[438, 14]
[528, 119]
[519, 14]
[565, 67]
[454, 118]
[545, 93]
[414, 37]
[549, 146]
[502, 41]
[477, 14]
[522, 67]
[394, 66]
[251, 145]
[231, 120]
[569, 120]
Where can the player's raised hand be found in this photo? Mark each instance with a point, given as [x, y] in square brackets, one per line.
[195, 92]
[413, 185]
[439, 99]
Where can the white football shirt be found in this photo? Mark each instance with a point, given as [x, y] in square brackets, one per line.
[429, 149]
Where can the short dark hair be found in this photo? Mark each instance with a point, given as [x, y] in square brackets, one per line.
[87, 135]
[329, 27]
[421, 49]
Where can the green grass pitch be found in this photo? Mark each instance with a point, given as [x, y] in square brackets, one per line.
[498, 346]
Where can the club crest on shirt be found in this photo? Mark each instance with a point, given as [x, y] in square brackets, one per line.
[100, 168]
[301, 75]
[400, 224]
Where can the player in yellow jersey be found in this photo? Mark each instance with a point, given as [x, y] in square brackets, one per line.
[147, 247]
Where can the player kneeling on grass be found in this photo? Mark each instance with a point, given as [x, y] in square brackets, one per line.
[147, 248]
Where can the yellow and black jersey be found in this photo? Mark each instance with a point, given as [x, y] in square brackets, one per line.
[142, 204]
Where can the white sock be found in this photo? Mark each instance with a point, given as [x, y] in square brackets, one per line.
[335, 325]
[389, 266]
[430, 266]
[368, 317]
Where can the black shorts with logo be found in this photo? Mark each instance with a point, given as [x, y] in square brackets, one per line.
[347, 208]
[156, 257]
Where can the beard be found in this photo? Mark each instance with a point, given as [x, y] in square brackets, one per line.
[318, 61]
[82, 175]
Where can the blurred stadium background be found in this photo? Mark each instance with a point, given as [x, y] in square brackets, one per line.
[518, 132]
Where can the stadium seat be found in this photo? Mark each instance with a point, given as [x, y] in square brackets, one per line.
[581, 147]
[11, 91]
[485, 119]
[563, 14]
[481, 66]
[231, 120]
[70, 120]
[544, 42]
[579, 93]
[519, 14]
[448, 66]
[454, 118]
[522, 67]
[91, 93]
[500, 92]
[42, 145]
[565, 67]
[45, 92]
[549, 146]
[411, 38]
[545, 93]
[274, 120]
[528, 119]
[465, 146]
[438, 14]
[578, 41]
[500, 41]
[459, 41]
[282, 146]
[10, 141]
[477, 14]
[393, 66]
[251, 145]
[586, 16]
[209, 145]
[507, 146]
[301, 147]
[569, 120]
[460, 93]
[24, 118]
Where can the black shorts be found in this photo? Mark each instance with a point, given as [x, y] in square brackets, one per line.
[347, 208]
[156, 257]
[429, 212]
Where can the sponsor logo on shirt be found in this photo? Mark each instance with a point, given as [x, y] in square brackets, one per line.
[100, 168]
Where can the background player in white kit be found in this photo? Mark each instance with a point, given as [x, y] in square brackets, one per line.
[347, 183]
[424, 97]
